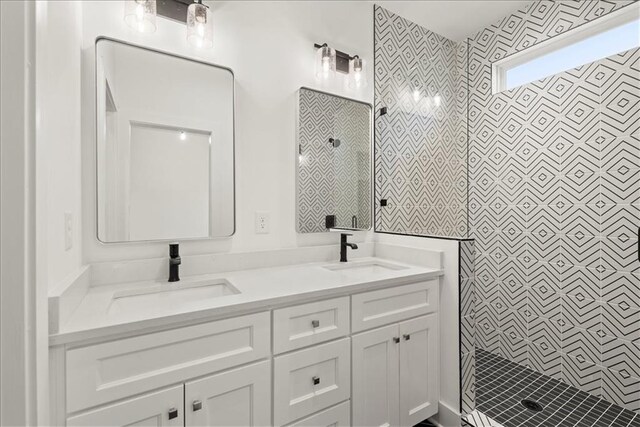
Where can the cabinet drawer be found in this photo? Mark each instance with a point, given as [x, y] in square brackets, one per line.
[308, 324]
[377, 308]
[117, 369]
[162, 408]
[338, 416]
[310, 380]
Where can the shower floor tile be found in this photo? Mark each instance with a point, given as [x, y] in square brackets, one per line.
[501, 385]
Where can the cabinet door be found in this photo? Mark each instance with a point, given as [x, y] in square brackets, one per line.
[240, 397]
[162, 408]
[419, 369]
[375, 378]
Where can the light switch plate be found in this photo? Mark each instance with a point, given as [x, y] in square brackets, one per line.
[262, 222]
[68, 230]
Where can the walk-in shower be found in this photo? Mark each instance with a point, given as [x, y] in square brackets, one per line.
[540, 183]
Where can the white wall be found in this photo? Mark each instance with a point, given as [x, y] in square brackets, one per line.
[19, 369]
[58, 47]
[58, 172]
[269, 46]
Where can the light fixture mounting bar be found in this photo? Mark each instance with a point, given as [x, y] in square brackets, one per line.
[175, 10]
[342, 59]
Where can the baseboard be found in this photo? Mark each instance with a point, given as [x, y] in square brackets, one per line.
[446, 416]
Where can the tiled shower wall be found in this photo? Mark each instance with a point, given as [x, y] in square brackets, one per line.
[466, 249]
[554, 206]
[421, 143]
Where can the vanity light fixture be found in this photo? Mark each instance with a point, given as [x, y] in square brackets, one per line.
[140, 15]
[199, 25]
[357, 76]
[325, 62]
[329, 61]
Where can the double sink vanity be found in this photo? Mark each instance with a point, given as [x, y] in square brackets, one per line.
[323, 343]
[300, 341]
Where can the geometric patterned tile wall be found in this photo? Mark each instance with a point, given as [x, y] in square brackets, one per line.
[333, 180]
[421, 143]
[467, 326]
[554, 206]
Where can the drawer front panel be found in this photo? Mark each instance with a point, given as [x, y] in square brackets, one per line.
[378, 308]
[113, 370]
[308, 324]
[310, 380]
[338, 416]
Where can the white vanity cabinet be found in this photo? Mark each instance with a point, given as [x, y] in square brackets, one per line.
[395, 373]
[364, 359]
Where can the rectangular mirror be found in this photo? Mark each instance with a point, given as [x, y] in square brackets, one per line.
[334, 163]
[165, 146]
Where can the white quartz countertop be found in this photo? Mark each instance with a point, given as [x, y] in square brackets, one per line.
[99, 317]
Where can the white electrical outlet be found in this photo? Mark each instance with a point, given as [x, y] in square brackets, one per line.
[262, 222]
[68, 230]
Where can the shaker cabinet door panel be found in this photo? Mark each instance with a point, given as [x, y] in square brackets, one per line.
[419, 369]
[376, 377]
[240, 397]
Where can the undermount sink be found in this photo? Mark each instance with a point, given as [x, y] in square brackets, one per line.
[172, 294]
[364, 267]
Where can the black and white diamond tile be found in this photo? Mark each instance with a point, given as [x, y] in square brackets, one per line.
[619, 287]
[555, 205]
[424, 144]
[581, 373]
[468, 324]
[622, 387]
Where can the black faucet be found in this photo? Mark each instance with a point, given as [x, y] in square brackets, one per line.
[343, 246]
[174, 262]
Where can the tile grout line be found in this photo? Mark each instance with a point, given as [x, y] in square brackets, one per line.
[554, 412]
[489, 364]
